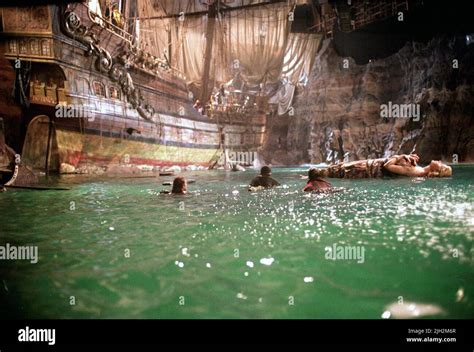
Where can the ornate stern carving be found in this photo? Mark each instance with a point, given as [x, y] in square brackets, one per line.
[115, 69]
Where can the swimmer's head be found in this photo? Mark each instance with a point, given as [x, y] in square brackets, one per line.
[265, 171]
[314, 174]
[180, 186]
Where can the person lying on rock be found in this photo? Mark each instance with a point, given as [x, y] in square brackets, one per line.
[264, 180]
[407, 165]
[397, 165]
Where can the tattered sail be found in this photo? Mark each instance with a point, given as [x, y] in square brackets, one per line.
[254, 43]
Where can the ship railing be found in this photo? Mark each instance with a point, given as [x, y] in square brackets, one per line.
[364, 14]
[125, 36]
[104, 23]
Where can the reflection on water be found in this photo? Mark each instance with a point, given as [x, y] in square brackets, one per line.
[122, 250]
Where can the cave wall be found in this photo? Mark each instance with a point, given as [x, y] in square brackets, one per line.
[337, 115]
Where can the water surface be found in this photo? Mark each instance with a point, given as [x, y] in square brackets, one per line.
[222, 252]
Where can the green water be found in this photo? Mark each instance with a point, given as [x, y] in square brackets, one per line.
[190, 255]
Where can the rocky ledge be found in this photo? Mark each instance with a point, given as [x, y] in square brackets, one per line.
[349, 111]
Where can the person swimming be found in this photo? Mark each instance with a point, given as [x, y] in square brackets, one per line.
[397, 165]
[180, 186]
[265, 179]
[316, 183]
[236, 167]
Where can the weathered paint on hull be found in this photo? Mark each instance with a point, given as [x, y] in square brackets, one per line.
[77, 149]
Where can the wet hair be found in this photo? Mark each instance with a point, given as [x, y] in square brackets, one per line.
[443, 171]
[179, 185]
[446, 171]
[265, 171]
[314, 173]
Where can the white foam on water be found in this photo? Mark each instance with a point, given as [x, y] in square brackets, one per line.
[459, 294]
[386, 315]
[408, 310]
[241, 296]
[267, 261]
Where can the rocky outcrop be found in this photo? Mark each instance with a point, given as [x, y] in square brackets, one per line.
[338, 114]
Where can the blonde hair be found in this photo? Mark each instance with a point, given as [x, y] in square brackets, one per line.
[443, 171]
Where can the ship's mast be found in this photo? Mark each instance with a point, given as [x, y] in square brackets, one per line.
[211, 23]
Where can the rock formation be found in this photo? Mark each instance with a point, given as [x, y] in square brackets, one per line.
[338, 114]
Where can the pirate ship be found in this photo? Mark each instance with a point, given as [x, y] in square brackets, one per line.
[138, 108]
[129, 74]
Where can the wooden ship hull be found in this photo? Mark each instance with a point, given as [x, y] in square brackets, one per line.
[86, 96]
